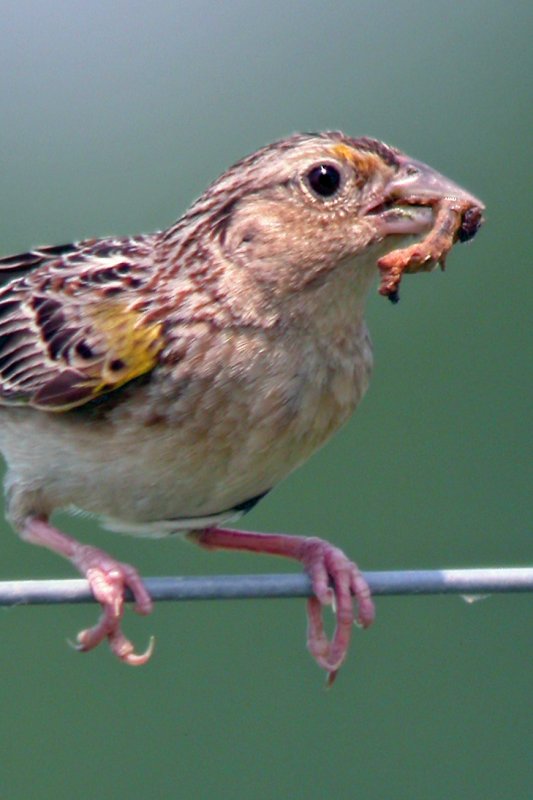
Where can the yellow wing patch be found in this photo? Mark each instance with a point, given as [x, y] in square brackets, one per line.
[110, 345]
[121, 346]
[132, 345]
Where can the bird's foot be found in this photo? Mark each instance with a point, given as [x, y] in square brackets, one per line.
[108, 580]
[335, 579]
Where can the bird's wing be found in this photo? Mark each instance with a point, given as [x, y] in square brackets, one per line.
[74, 322]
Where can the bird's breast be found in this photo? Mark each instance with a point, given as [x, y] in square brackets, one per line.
[253, 410]
[216, 428]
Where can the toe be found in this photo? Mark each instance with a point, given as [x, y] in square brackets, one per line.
[133, 581]
[365, 604]
[317, 641]
[336, 581]
[109, 579]
[123, 649]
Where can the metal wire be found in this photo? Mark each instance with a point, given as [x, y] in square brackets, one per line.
[232, 587]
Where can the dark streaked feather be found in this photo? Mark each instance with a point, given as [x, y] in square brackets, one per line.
[67, 320]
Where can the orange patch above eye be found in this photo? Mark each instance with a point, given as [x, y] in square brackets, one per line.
[365, 163]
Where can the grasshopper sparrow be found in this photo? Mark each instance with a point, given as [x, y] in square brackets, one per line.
[165, 383]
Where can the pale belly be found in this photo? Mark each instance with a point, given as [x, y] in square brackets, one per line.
[218, 446]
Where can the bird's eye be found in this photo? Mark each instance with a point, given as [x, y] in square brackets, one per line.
[324, 180]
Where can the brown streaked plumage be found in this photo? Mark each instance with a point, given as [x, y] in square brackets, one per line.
[166, 382]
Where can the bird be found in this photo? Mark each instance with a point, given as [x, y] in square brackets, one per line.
[165, 383]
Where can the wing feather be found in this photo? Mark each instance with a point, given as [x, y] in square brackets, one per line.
[73, 324]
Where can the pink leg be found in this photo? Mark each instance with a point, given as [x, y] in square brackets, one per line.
[107, 578]
[325, 565]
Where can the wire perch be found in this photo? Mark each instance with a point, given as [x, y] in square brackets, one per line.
[234, 587]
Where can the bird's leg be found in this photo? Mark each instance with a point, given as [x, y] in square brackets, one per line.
[335, 580]
[107, 578]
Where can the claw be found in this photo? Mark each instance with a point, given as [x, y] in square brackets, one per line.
[330, 680]
[123, 649]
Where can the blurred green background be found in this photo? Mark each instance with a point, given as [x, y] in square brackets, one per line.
[115, 115]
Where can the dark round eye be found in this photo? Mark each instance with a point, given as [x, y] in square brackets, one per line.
[324, 180]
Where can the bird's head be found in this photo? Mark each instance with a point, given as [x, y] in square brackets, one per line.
[293, 212]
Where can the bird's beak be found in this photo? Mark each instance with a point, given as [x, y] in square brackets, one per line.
[416, 183]
[409, 200]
